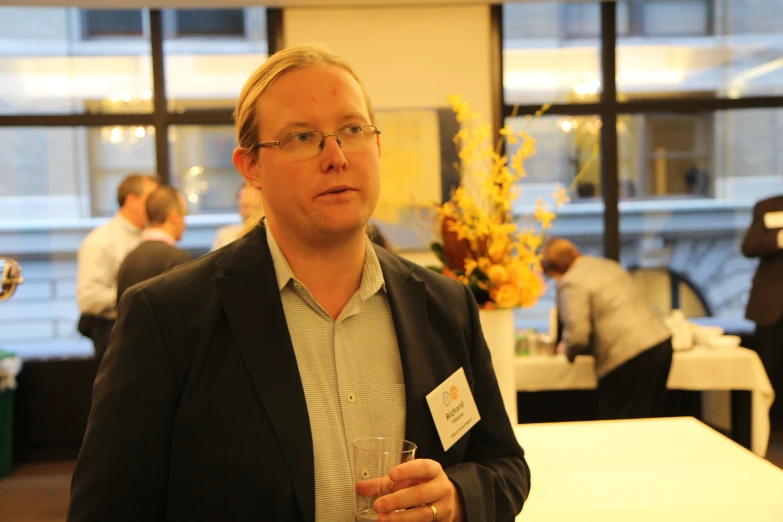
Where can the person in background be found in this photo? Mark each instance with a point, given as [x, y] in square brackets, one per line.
[100, 255]
[250, 205]
[697, 182]
[764, 241]
[604, 313]
[234, 385]
[377, 237]
[166, 210]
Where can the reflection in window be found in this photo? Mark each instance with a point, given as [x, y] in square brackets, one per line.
[202, 167]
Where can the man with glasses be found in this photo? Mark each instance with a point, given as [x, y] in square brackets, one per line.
[235, 385]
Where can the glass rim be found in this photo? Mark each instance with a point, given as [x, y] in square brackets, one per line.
[356, 444]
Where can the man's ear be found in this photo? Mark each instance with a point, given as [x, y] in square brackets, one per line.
[246, 162]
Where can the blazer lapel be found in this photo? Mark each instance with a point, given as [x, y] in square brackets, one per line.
[251, 300]
[408, 300]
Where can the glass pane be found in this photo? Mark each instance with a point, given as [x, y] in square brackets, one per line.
[701, 48]
[667, 154]
[114, 152]
[48, 67]
[676, 18]
[700, 238]
[543, 61]
[210, 22]
[205, 73]
[111, 22]
[202, 167]
[566, 156]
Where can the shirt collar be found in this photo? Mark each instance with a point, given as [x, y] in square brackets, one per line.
[126, 224]
[156, 234]
[372, 275]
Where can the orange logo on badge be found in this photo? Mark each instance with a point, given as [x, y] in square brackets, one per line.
[454, 392]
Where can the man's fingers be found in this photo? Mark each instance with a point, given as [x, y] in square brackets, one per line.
[421, 469]
[376, 487]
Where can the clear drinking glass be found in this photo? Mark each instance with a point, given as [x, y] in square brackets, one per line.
[373, 459]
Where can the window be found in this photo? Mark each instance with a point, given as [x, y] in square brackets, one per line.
[540, 65]
[209, 22]
[583, 19]
[640, 18]
[113, 153]
[208, 73]
[102, 23]
[666, 155]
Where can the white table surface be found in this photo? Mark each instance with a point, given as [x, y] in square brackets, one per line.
[662, 470]
[697, 369]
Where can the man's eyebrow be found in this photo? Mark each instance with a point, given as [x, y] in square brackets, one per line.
[354, 116]
[296, 125]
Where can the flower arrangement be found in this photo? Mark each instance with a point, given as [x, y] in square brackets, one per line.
[480, 244]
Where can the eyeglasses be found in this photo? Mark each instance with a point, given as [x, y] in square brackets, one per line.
[11, 277]
[306, 144]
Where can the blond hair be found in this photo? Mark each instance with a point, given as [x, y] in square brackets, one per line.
[287, 60]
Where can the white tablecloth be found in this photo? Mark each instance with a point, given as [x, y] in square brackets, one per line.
[697, 369]
[650, 470]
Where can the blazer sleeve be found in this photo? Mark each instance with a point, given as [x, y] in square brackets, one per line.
[759, 240]
[121, 472]
[493, 480]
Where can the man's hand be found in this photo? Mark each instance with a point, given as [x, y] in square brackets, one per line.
[417, 485]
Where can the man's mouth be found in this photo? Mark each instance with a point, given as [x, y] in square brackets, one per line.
[337, 190]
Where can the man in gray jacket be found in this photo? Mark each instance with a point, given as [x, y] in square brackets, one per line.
[604, 313]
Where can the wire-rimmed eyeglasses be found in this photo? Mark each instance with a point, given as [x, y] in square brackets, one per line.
[356, 137]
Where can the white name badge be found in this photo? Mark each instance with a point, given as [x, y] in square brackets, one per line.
[773, 220]
[453, 408]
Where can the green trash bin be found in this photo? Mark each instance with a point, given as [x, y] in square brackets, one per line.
[9, 367]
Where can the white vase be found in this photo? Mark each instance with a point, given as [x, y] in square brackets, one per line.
[498, 327]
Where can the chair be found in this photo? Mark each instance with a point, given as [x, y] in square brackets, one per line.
[666, 290]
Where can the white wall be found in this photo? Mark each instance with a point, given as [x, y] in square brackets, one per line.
[409, 57]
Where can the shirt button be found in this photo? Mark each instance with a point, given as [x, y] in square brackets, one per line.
[297, 286]
[351, 397]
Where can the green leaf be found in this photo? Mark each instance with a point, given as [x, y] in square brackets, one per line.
[437, 249]
[480, 275]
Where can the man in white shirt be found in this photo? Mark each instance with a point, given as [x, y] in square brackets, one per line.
[249, 203]
[100, 255]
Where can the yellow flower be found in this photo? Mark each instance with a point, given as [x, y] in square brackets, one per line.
[505, 296]
[470, 265]
[544, 215]
[482, 229]
[497, 274]
[560, 196]
[508, 132]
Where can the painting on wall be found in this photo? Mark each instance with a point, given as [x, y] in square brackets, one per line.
[418, 170]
